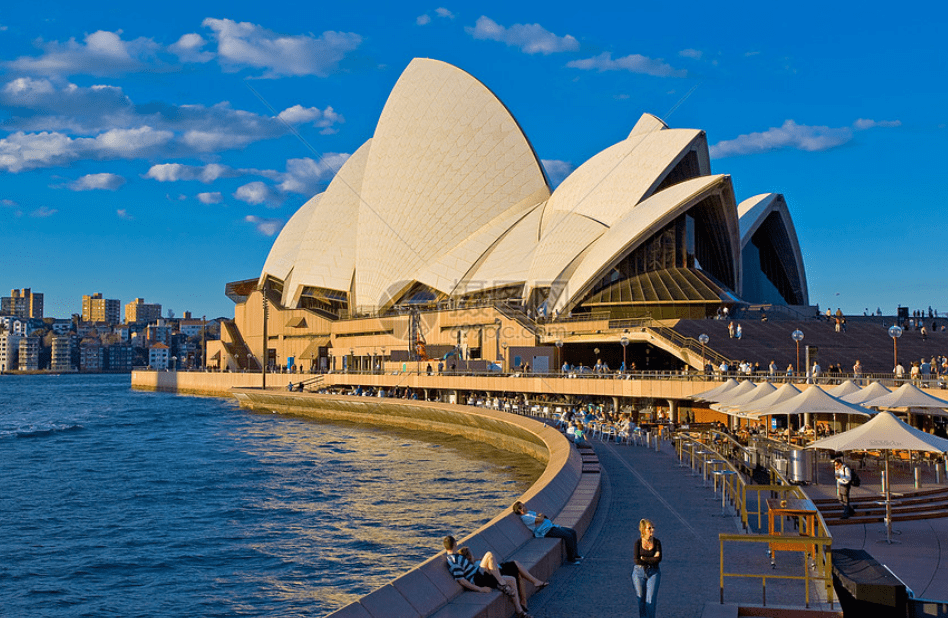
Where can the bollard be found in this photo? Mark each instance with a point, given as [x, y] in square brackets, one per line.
[658, 443]
[918, 477]
[937, 474]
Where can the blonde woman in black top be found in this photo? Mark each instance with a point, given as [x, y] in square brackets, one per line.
[646, 575]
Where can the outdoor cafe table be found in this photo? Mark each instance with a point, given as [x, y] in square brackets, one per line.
[805, 512]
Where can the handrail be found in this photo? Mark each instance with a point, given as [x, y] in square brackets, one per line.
[736, 488]
[820, 547]
[517, 316]
[689, 343]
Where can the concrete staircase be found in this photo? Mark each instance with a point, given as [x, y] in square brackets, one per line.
[923, 504]
[866, 339]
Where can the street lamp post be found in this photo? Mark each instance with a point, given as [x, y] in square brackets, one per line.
[797, 336]
[174, 364]
[497, 323]
[895, 332]
[559, 351]
[624, 341]
[703, 339]
[504, 366]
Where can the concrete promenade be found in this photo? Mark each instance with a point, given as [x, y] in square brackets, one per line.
[918, 554]
[640, 482]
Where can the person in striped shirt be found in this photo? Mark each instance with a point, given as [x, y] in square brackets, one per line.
[488, 575]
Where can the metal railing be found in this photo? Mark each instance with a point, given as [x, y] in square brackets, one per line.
[815, 547]
[703, 449]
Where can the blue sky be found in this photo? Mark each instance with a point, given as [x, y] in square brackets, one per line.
[156, 153]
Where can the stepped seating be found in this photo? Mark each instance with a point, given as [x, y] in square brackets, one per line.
[866, 340]
[429, 591]
[926, 504]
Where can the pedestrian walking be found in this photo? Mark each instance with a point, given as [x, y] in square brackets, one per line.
[844, 477]
[646, 575]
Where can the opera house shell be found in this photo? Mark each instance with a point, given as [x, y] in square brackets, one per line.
[449, 202]
[448, 207]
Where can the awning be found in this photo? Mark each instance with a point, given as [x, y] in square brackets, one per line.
[312, 349]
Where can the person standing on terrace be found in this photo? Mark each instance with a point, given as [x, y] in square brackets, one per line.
[646, 575]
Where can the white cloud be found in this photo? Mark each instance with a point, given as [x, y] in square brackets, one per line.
[267, 227]
[530, 38]
[188, 48]
[691, 53]
[13, 206]
[242, 44]
[443, 12]
[210, 198]
[123, 214]
[634, 63]
[312, 115]
[101, 53]
[131, 143]
[557, 171]
[100, 121]
[305, 175]
[790, 135]
[863, 124]
[25, 151]
[423, 20]
[43, 212]
[89, 182]
[212, 141]
[256, 192]
[173, 172]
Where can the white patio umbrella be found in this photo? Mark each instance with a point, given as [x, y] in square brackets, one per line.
[744, 387]
[728, 385]
[887, 433]
[734, 399]
[910, 397]
[731, 405]
[846, 388]
[870, 392]
[783, 393]
[813, 400]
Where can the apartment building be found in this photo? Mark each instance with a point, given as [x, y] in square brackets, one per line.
[29, 356]
[22, 303]
[159, 356]
[140, 311]
[9, 350]
[62, 354]
[98, 309]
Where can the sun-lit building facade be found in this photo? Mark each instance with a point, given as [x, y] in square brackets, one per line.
[447, 207]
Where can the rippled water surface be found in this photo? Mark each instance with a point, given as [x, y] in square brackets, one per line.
[122, 503]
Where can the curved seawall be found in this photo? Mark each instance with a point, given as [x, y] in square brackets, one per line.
[567, 491]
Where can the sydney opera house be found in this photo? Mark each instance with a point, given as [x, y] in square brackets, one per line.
[441, 237]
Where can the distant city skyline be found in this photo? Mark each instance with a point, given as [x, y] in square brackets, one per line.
[157, 157]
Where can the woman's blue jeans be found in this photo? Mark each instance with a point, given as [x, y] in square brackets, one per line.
[646, 589]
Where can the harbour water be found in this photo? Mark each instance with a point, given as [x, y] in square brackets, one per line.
[122, 503]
